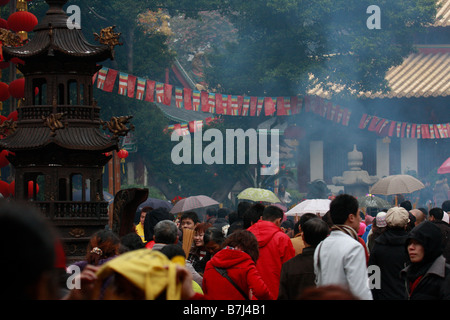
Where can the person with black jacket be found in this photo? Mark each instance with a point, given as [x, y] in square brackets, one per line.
[428, 275]
[390, 256]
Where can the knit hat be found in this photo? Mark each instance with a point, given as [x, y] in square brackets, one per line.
[368, 219]
[149, 270]
[397, 217]
[381, 219]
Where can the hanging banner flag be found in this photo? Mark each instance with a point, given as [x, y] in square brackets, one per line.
[269, 106]
[403, 129]
[392, 128]
[123, 83]
[196, 100]
[131, 85]
[187, 93]
[245, 106]
[379, 125]
[179, 97]
[212, 102]
[204, 100]
[413, 130]
[364, 121]
[441, 130]
[431, 131]
[280, 106]
[140, 89]
[398, 129]
[159, 92]
[102, 77]
[259, 106]
[110, 80]
[234, 106]
[150, 91]
[167, 94]
[383, 130]
[253, 103]
[331, 111]
[425, 131]
[436, 132]
[408, 131]
[373, 123]
[346, 117]
[224, 104]
[219, 105]
[419, 131]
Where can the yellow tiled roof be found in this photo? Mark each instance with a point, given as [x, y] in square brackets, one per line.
[443, 14]
[422, 74]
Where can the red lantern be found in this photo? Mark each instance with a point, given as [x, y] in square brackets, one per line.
[122, 154]
[17, 88]
[30, 189]
[4, 91]
[22, 21]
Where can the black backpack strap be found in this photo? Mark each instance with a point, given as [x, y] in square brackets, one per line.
[223, 272]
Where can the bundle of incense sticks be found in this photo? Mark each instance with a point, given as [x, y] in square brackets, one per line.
[188, 237]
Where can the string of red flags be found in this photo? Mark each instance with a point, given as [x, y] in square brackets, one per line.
[216, 103]
[220, 104]
[401, 129]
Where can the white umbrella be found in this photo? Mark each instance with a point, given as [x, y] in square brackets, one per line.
[316, 206]
[193, 202]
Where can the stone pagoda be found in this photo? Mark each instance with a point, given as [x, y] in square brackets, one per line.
[57, 141]
[355, 181]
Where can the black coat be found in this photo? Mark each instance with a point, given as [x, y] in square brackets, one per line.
[435, 284]
[390, 255]
[297, 274]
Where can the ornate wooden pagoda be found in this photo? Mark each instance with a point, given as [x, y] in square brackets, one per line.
[57, 142]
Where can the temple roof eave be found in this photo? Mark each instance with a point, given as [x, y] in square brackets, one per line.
[26, 139]
[63, 41]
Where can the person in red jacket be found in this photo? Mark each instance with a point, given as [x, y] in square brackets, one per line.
[238, 258]
[275, 247]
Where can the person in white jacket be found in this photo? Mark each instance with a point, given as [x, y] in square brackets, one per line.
[340, 258]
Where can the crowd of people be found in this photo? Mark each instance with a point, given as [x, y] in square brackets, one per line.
[252, 253]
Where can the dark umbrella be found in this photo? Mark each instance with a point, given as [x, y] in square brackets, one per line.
[155, 204]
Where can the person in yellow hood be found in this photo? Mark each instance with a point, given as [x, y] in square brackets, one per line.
[137, 275]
